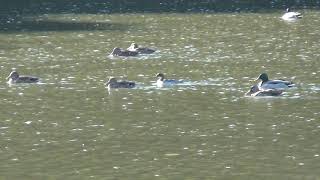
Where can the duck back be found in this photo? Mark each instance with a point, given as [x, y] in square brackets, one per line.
[27, 79]
[291, 16]
[168, 82]
[145, 50]
[267, 93]
[129, 53]
[122, 84]
[275, 84]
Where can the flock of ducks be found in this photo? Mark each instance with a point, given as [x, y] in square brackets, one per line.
[265, 87]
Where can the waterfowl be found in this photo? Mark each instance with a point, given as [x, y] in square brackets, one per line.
[255, 91]
[290, 16]
[113, 83]
[121, 52]
[142, 50]
[162, 82]
[14, 77]
[266, 84]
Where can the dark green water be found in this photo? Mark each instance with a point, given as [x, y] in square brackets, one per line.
[71, 127]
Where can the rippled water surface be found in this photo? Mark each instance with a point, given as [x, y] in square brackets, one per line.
[71, 127]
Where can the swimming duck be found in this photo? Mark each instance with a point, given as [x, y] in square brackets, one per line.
[142, 50]
[254, 91]
[291, 16]
[121, 52]
[162, 82]
[266, 84]
[14, 77]
[113, 83]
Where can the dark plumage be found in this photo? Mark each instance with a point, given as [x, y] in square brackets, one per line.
[254, 91]
[272, 84]
[142, 50]
[162, 82]
[14, 77]
[121, 52]
[113, 83]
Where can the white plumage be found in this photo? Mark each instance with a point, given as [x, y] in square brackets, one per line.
[291, 16]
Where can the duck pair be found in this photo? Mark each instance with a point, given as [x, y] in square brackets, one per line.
[161, 82]
[14, 78]
[133, 50]
[268, 87]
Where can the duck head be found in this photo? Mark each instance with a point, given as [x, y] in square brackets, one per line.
[14, 75]
[160, 76]
[263, 77]
[112, 80]
[116, 51]
[288, 10]
[133, 46]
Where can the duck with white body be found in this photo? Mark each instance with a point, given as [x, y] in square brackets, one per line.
[291, 16]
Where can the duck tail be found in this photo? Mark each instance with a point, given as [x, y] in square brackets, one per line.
[132, 84]
[291, 84]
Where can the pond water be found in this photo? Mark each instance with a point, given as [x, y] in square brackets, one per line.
[70, 126]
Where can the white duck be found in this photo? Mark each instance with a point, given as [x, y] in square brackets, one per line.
[291, 16]
[266, 84]
[162, 82]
